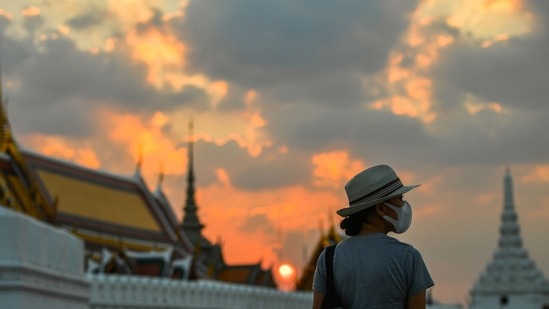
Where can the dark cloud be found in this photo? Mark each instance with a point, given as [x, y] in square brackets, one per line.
[271, 171]
[31, 23]
[259, 43]
[514, 73]
[89, 19]
[338, 88]
[365, 131]
[268, 170]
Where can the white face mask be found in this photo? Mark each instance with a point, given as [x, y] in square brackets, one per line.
[404, 217]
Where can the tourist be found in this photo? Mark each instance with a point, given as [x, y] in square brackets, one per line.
[371, 269]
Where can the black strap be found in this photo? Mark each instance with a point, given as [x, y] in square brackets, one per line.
[331, 299]
[330, 267]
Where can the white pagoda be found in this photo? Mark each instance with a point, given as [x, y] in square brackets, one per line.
[511, 279]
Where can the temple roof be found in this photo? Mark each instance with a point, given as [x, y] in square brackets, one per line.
[98, 205]
[511, 270]
[331, 237]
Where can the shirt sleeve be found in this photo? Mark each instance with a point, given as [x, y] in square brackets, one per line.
[421, 279]
[319, 280]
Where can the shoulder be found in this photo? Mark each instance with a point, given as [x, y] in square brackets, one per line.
[402, 247]
[322, 255]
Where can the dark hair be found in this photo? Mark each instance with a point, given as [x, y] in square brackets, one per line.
[353, 223]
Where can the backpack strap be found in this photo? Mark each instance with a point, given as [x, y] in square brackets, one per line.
[331, 300]
[330, 250]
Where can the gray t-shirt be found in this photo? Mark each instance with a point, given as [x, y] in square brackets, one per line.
[374, 271]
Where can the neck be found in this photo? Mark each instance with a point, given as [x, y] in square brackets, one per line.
[373, 227]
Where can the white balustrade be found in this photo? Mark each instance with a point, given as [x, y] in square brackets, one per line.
[125, 292]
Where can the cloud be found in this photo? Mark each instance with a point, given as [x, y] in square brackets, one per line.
[257, 223]
[257, 44]
[268, 170]
[511, 73]
[88, 19]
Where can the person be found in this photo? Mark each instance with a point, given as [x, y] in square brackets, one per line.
[370, 268]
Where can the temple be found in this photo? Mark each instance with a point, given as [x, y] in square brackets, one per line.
[331, 237]
[511, 279]
[126, 228]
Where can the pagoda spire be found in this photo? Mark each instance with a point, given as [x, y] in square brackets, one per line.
[191, 223]
[511, 275]
[509, 237]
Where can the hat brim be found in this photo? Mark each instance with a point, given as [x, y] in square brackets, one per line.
[349, 210]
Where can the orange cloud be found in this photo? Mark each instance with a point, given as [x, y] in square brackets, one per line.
[146, 135]
[504, 6]
[408, 87]
[226, 211]
[159, 51]
[63, 29]
[65, 149]
[31, 11]
[496, 39]
[539, 174]
[485, 19]
[474, 108]
[6, 14]
[251, 96]
[332, 169]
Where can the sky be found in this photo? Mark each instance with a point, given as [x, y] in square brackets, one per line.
[289, 100]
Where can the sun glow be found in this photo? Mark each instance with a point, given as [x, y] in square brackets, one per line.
[286, 273]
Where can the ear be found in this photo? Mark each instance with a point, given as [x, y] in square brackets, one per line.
[380, 210]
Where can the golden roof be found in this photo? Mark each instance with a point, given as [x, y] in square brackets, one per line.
[93, 200]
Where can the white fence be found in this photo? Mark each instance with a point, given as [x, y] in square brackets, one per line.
[125, 292]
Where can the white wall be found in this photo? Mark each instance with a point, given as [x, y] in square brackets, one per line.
[40, 266]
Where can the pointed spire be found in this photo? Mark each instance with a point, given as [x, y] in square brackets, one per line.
[509, 229]
[511, 271]
[191, 224]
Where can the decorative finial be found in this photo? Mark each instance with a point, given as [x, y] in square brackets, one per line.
[160, 175]
[139, 162]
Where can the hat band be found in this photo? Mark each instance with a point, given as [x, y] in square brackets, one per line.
[385, 190]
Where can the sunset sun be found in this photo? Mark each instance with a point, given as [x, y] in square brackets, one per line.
[286, 272]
